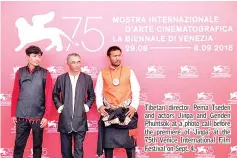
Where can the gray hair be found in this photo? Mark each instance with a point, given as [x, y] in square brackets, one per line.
[72, 54]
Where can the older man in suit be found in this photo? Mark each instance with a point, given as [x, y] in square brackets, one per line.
[73, 96]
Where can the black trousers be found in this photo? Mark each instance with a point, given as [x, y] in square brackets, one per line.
[66, 144]
[23, 129]
[109, 152]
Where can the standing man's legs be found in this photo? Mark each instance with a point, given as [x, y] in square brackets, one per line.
[130, 152]
[78, 144]
[22, 134]
[109, 152]
[66, 145]
[37, 139]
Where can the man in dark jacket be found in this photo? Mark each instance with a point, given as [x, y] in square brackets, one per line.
[31, 103]
[73, 96]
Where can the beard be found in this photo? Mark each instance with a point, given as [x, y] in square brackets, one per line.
[115, 64]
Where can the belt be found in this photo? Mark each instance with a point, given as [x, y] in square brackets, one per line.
[124, 104]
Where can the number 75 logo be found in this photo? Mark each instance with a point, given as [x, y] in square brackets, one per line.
[86, 31]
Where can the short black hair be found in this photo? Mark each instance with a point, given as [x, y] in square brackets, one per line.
[113, 48]
[33, 50]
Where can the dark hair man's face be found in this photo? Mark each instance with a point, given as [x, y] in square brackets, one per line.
[34, 59]
[115, 58]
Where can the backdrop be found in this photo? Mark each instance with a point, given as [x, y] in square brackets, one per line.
[183, 54]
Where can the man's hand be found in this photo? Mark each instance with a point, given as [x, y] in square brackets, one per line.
[14, 120]
[102, 110]
[60, 109]
[131, 111]
[43, 123]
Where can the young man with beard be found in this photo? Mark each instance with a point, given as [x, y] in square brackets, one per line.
[117, 98]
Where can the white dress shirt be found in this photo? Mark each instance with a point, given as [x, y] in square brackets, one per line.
[135, 88]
